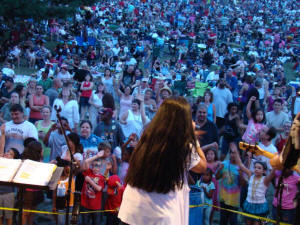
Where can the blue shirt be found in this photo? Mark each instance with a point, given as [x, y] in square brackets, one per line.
[90, 143]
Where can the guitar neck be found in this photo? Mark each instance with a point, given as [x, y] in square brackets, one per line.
[267, 154]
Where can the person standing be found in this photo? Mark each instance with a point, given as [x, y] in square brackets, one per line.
[222, 97]
[18, 129]
[96, 104]
[43, 126]
[277, 118]
[157, 189]
[86, 89]
[209, 139]
[108, 129]
[36, 102]
[69, 108]
[52, 92]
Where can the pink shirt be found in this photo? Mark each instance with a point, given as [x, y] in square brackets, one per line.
[289, 191]
[251, 134]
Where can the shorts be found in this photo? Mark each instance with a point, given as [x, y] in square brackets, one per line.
[7, 200]
[84, 101]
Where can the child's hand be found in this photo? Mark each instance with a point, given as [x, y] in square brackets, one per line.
[3, 129]
[253, 99]
[100, 154]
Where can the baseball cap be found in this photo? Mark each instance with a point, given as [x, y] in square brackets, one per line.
[106, 110]
[112, 183]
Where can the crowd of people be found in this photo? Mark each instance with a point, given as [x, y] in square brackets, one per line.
[115, 63]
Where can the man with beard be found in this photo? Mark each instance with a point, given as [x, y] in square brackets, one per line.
[209, 138]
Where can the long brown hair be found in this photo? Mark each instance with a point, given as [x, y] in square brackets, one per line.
[161, 157]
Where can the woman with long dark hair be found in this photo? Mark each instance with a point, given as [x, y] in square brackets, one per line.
[157, 189]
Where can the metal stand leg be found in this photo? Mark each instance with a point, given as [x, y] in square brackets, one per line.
[20, 206]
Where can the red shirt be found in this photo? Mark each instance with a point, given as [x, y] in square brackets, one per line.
[114, 200]
[90, 198]
[86, 93]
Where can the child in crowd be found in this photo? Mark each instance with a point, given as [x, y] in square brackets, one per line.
[59, 202]
[255, 124]
[213, 164]
[94, 183]
[288, 207]
[115, 192]
[32, 197]
[256, 202]
[208, 188]
[107, 158]
[7, 195]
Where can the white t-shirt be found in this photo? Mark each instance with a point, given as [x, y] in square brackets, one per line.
[15, 134]
[96, 100]
[64, 76]
[212, 76]
[151, 208]
[276, 120]
[270, 148]
[222, 97]
[69, 111]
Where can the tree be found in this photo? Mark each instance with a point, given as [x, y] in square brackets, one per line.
[20, 10]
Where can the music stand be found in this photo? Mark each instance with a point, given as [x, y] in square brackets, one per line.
[21, 189]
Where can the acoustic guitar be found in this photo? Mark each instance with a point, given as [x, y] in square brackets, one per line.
[256, 150]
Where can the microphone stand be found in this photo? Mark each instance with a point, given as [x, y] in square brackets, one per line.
[58, 110]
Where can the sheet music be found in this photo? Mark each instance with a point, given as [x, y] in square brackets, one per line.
[35, 173]
[8, 168]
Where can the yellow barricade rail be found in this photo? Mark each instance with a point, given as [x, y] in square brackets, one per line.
[54, 213]
[191, 206]
[241, 213]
